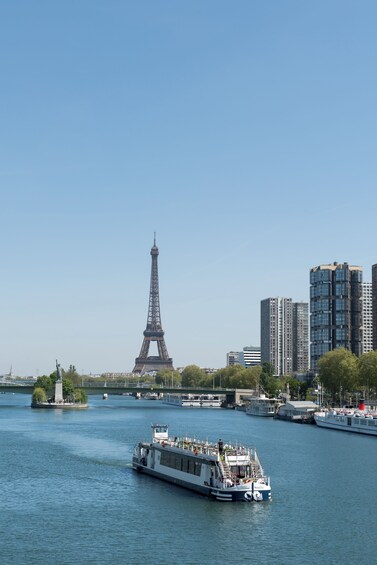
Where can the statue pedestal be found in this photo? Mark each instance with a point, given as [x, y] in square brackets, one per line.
[58, 392]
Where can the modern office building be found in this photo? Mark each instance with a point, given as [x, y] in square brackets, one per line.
[232, 358]
[336, 309]
[276, 334]
[250, 356]
[300, 337]
[367, 317]
[374, 305]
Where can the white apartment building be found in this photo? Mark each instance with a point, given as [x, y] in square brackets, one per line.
[367, 327]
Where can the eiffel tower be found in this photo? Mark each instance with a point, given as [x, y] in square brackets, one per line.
[153, 331]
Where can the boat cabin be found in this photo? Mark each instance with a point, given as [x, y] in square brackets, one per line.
[160, 432]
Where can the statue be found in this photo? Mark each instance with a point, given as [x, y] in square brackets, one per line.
[58, 371]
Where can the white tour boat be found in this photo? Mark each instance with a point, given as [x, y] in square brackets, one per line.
[194, 400]
[218, 470]
[359, 420]
[262, 406]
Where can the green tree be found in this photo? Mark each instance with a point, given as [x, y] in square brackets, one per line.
[338, 372]
[47, 384]
[368, 372]
[72, 375]
[246, 378]
[267, 382]
[237, 376]
[192, 375]
[294, 387]
[68, 389]
[168, 378]
[226, 377]
[39, 396]
[268, 370]
[80, 396]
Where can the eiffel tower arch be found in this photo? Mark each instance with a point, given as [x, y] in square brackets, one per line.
[153, 331]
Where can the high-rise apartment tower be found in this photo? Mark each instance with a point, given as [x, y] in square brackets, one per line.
[374, 305]
[367, 317]
[336, 309]
[276, 334]
[300, 337]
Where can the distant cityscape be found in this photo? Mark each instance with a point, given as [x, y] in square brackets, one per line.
[293, 335]
[343, 313]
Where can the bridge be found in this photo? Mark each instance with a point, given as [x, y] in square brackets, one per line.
[232, 395]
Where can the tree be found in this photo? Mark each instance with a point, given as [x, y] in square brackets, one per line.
[368, 372]
[39, 396]
[81, 396]
[68, 389]
[268, 370]
[47, 384]
[246, 377]
[268, 383]
[167, 377]
[294, 388]
[192, 375]
[72, 375]
[338, 372]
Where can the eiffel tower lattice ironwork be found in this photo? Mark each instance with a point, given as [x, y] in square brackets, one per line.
[153, 331]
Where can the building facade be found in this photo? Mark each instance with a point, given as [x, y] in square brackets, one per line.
[367, 317]
[232, 358]
[250, 356]
[335, 309]
[300, 337]
[276, 334]
[374, 305]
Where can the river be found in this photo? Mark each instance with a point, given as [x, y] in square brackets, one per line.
[70, 496]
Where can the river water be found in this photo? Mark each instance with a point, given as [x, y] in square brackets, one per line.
[70, 496]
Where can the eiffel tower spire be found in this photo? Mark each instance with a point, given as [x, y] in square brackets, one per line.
[153, 331]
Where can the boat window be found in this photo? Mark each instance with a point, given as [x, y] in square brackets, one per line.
[191, 467]
[239, 471]
[181, 463]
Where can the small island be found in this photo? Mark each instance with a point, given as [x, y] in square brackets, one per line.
[58, 391]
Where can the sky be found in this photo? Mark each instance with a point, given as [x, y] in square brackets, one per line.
[243, 133]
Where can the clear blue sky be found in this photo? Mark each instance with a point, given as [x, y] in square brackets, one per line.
[243, 133]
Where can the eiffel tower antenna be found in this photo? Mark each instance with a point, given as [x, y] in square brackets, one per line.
[153, 331]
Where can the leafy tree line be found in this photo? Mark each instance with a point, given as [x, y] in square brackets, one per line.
[235, 376]
[44, 388]
[343, 374]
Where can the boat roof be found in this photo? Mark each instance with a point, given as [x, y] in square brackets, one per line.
[301, 404]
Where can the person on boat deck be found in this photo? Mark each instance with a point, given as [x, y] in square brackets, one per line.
[221, 446]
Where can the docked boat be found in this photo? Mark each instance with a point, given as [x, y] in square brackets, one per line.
[194, 400]
[219, 470]
[151, 396]
[300, 411]
[359, 421]
[262, 406]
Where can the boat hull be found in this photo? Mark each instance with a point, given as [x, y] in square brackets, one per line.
[252, 494]
[345, 423]
[260, 414]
